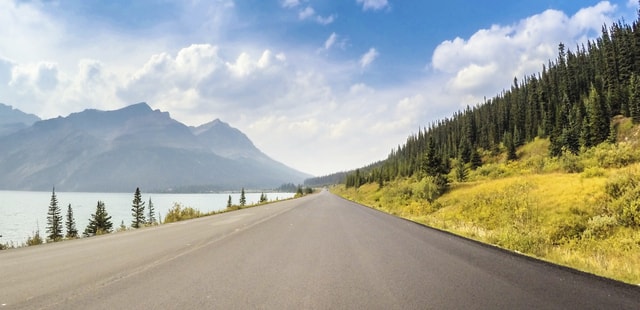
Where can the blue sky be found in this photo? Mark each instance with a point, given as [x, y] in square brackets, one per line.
[322, 86]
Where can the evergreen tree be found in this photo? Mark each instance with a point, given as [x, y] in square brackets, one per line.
[229, 202]
[54, 219]
[100, 222]
[243, 199]
[137, 209]
[461, 171]
[432, 164]
[152, 213]
[511, 146]
[263, 198]
[598, 117]
[634, 98]
[476, 160]
[72, 231]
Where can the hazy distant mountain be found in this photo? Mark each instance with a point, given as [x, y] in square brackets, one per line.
[134, 147]
[12, 120]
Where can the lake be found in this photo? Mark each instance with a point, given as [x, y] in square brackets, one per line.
[22, 213]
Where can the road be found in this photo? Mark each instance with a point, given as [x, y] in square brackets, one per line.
[317, 252]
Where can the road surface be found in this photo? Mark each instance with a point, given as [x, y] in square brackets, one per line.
[317, 252]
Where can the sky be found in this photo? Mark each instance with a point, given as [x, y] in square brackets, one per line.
[322, 86]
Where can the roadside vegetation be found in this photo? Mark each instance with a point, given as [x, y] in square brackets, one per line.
[142, 216]
[581, 211]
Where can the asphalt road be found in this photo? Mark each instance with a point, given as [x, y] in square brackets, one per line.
[317, 252]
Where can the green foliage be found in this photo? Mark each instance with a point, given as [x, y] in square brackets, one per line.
[263, 198]
[623, 191]
[429, 188]
[229, 203]
[243, 198]
[600, 226]
[72, 231]
[137, 210]
[179, 213]
[151, 214]
[100, 222]
[54, 219]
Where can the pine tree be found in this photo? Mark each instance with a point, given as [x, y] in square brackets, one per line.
[263, 198]
[229, 203]
[243, 199]
[152, 213]
[100, 222]
[634, 99]
[476, 160]
[72, 231]
[461, 171]
[137, 209]
[54, 219]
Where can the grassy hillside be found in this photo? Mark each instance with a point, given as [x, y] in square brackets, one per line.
[581, 211]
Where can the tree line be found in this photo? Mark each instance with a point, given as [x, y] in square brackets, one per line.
[571, 102]
[99, 222]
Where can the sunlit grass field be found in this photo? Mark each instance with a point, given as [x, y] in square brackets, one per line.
[581, 211]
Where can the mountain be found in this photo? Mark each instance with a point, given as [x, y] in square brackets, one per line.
[12, 120]
[136, 146]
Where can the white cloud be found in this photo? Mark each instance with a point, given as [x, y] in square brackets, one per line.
[290, 3]
[487, 61]
[308, 12]
[373, 4]
[325, 20]
[331, 40]
[368, 57]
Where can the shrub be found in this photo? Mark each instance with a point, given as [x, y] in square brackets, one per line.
[624, 194]
[600, 226]
[35, 240]
[570, 163]
[178, 213]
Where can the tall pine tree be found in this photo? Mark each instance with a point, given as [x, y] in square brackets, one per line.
[54, 219]
[243, 199]
[137, 210]
[152, 213]
[72, 231]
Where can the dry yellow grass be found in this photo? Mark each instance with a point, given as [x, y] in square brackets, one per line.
[557, 217]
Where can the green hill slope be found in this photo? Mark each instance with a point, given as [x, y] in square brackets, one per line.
[581, 211]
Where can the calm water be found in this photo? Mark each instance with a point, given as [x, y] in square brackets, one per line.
[22, 213]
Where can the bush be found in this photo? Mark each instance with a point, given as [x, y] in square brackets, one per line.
[570, 163]
[571, 228]
[430, 187]
[178, 213]
[35, 240]
[624, 194]
[600, 226]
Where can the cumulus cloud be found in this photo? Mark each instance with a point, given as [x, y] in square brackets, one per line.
[368, 58]
[482, 64]
[373, 5]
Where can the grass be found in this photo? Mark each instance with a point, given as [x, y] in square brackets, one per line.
[578, 211]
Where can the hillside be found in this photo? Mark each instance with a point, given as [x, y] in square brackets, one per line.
[549, 167]
[133, 147]
[575, 210]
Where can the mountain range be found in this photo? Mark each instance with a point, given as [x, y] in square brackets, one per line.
[117, 151]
